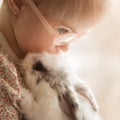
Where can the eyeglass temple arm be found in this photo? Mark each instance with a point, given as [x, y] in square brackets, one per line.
[42, 19]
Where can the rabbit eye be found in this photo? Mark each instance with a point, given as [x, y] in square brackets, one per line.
[38, 66]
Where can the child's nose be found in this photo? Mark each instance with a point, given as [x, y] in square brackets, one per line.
[64, 47]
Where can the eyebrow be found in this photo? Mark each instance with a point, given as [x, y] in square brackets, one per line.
[66, 25]
[75, 29]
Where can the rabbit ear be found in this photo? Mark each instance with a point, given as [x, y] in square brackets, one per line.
[69, 104]
[65, 106]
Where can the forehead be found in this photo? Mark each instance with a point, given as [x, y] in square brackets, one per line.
[74, 25]
[78, 17]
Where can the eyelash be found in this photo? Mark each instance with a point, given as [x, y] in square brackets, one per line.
[62, 30]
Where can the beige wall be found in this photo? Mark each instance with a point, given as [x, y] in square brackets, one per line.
[96, 57]
[0, 2]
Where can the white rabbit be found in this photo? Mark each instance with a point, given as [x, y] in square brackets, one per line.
[50, 92]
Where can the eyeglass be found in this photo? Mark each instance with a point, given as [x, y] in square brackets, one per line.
[58, 40]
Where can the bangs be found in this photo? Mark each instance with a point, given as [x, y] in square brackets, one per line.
[73, 10]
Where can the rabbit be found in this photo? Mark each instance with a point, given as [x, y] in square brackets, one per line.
[50, 92]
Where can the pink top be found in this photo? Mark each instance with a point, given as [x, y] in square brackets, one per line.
[10, 82]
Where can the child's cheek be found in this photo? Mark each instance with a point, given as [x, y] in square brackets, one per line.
[41, 46]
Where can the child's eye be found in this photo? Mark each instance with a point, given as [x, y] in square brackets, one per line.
[62, 30]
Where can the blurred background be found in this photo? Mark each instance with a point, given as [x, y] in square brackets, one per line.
[96, 59]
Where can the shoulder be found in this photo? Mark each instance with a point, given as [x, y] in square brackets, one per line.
[10, 80]
[8, 77]
[7, 69]
[10, 85]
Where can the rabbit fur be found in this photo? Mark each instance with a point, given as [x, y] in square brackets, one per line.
[50, 92]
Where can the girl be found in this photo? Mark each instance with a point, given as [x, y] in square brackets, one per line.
[37, 26]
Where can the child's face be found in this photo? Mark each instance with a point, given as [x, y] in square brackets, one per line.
[32, 36]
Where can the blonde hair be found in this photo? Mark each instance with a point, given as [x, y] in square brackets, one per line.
[73, 11]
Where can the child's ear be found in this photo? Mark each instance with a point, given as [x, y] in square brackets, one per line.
[15, 6]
